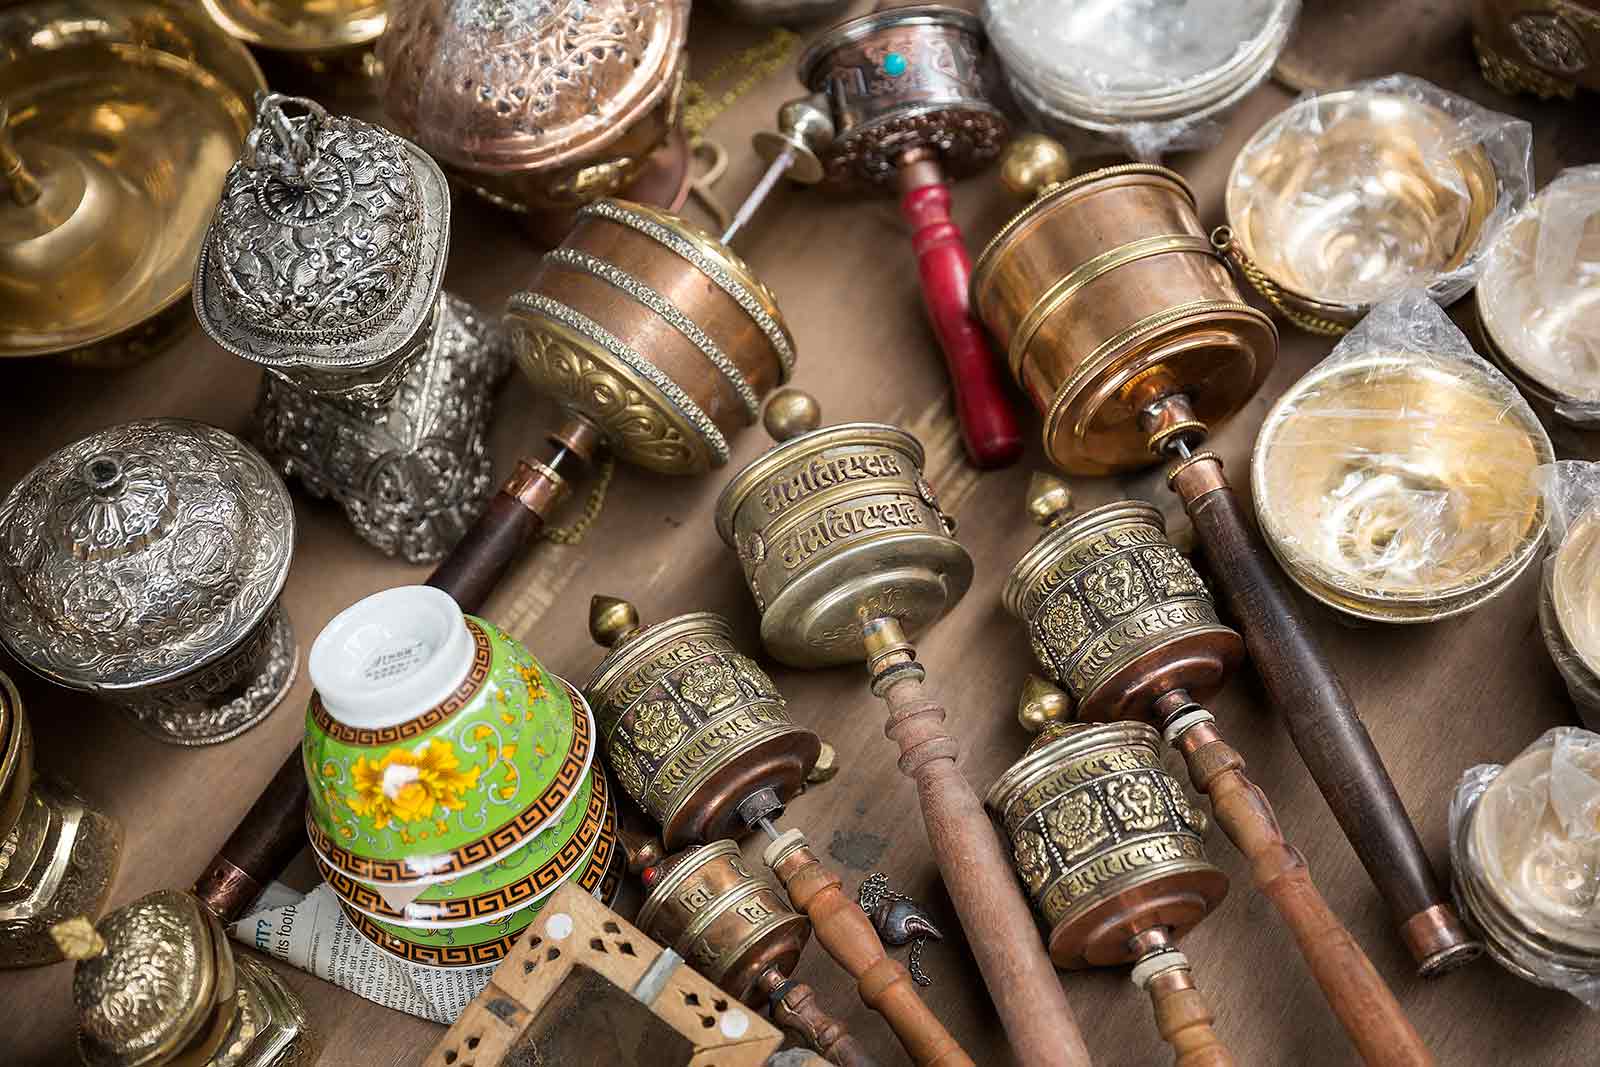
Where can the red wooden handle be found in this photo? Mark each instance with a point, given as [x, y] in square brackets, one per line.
[988, 426]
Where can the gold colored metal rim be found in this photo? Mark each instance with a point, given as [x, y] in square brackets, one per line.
[1080, 742]
[1080, 276]
[1054, 542]
[739, 488]
[668, 886]
[641, 647]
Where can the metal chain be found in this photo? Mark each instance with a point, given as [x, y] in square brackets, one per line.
[759, 61]
[573, 532]
[874, 891]
[1223, 240]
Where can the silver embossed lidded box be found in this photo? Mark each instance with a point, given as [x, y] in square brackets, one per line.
[323, 263]
[143, 564]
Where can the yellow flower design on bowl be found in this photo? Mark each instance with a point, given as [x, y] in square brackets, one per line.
[407, 785]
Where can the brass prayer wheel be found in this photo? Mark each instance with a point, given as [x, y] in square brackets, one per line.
[660, 336]
[1118, 616]
[1105, 840]
[730, 925]
[1550, 48]
[692, 726]
[1106, 290]
[835, 527]
[903, 79]
[538, 107]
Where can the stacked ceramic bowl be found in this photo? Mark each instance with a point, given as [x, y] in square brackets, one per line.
[1147, 73]
[453, 779]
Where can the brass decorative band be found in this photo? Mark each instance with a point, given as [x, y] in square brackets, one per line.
[711, 259]
[673, 784]
[821, 475]
[1111, 649]
[1087, 886]
[843, 517]
[533, 886]
[1028, 591]
[477, 674]
[1068, 286]
[475, 854]
[627, 283]
[671, 393]
[1095, 363]
[592, 880]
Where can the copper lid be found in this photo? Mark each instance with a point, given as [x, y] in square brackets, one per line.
[511, 85]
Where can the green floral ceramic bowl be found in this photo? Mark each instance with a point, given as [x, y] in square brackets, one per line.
[435, 743]
[530, 873]
[483, 943]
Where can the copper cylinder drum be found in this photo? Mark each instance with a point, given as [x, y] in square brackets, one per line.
[1545, 47]
[692, 727]
[900, 80]
[1107, 294]
[658, 334]
[837, 527]
[1118, 616]
[730, 925]
[1105, 841]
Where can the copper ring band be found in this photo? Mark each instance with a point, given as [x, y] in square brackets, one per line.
[226, 889]
[1217, 481]
[526, 482]
[1066, 287]
[1159, 439]
[1437, 941]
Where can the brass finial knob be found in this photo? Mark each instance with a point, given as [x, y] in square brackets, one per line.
[826, 767]
[1042, 704]
[15, 177]
[612, 620]
[78, 939]
[1049, 498]
[807, 120]
[1032, 163]
[790, 413]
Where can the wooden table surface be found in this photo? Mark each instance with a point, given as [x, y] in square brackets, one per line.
[1437, 698]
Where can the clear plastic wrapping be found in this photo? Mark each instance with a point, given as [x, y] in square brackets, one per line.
[1350, 197]
[1525, 859]
[1569, 596]
[1396, 480]
[1539, 297]
[1147, 76]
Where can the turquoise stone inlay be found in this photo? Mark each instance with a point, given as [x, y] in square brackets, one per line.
[894, 64]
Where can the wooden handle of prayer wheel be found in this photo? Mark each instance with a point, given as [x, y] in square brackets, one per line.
[1182, 1014]
[796, 1008]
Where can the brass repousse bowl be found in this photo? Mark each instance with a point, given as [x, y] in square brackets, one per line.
[125, 115]
[308, 28]
[1349, 197]
[1399, 488]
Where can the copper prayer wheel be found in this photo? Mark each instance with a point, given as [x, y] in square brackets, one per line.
[1104, 286]
[730, 925]
[835, 527]
[692, 726]
[540, 107]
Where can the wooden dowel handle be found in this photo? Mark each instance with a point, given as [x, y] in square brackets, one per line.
[1322, 721]
[845, 931]
[266, 841]
[1361, 1000]
[796, 1007]
[1000, 929]
[988, 425]
[474, 567]
[1183, 1017]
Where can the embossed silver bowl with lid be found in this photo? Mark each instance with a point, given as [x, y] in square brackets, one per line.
[143, 564]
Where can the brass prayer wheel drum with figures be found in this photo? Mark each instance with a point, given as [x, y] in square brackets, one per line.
[1103, 286]
[692, 727]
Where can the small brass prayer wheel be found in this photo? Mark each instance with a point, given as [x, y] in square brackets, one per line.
[836, 527]
[731, 926]
[1106, 842]
[1106, 292]
[157, 985]
[692, 726]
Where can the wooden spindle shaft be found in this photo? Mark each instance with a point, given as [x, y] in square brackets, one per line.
[267, 839]
[797, 1008]
[845, 931]
[1184, 1018]
[1359, 997]
[1000, 929]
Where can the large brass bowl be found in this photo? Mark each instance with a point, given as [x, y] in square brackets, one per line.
[1575, 591]
[305, 27]
[127, 113]
[1398, 488]
[1348, 197]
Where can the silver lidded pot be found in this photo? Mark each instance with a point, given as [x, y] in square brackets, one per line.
[323, 264]
[143, 564]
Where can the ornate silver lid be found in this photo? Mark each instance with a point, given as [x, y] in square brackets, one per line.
[324, 259]
[141, 553]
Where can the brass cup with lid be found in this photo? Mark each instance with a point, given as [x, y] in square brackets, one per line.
[836, 527]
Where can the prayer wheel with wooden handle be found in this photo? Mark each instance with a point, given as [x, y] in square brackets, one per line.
[699, 736]
[1117, 615]
[1126, 328]
[845, 550]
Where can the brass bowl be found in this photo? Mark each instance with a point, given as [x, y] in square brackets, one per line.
[1575, 591]
[308, 28]
[127, 113]
[1540, 311]
[1340, 201]
[1398, 488]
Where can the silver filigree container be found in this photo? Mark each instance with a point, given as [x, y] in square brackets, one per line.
[143, 564]
[323, 264]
